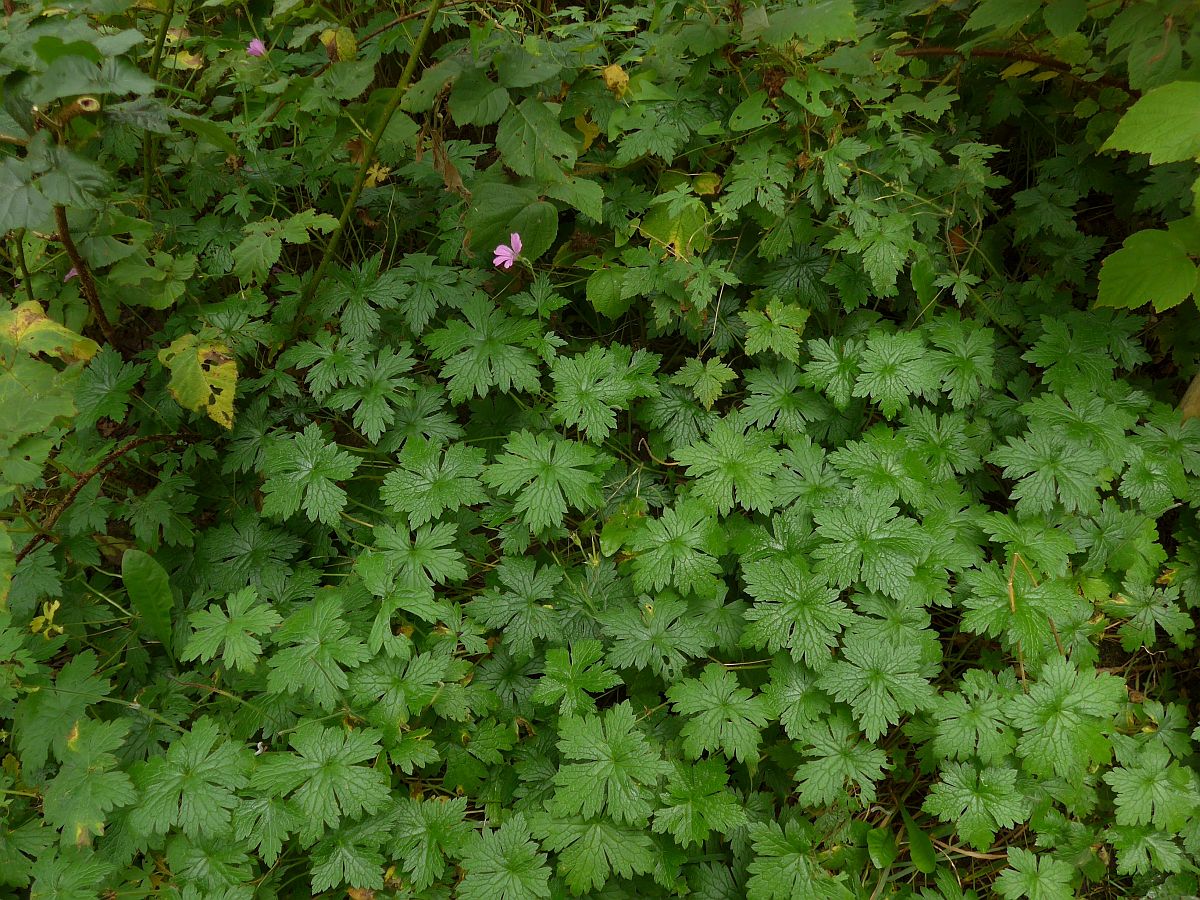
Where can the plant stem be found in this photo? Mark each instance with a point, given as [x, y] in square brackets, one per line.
[160, 41]
[82, 481]
[1046, 62]
[368, 157]
[19, 253]
[86, 282]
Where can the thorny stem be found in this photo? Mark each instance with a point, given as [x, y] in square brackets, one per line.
[368, 157]
[1046, 62]
[79, 485]
[86, 281]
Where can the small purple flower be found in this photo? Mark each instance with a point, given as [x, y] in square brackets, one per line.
[507, 255]
[256, 48]
[71, 273]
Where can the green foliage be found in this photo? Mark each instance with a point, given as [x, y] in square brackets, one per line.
[805, 513]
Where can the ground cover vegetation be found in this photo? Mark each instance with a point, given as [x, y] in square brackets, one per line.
[665, 449]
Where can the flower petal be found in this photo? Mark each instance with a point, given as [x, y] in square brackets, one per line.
[516, 243]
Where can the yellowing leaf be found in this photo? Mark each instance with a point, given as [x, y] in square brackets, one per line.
[203, 377]
[184, 59]
[615, 80]
[590, 130]
[377, 175]
[28, 329]
[683, 231]
[339, 44]
[706, 184]
[1019, 68]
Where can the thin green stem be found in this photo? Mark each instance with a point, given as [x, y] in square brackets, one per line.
[19, 253]
[368, 157]
[160, 41]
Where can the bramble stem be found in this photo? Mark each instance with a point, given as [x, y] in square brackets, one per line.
[86, 282]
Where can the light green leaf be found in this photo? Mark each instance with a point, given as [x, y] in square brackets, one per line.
[1165, 122]
[1152, 266]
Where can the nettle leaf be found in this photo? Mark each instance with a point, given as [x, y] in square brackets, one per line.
[592, 852]
[489, 349]
[497, 210]
[879, 681]
[432, 480]
[302, 470]
[1151, 267]
[232, 632]
[615, 770]
[1065, 719]
[725, 716]
[980, 801]
[571, 676]
[794, 610]
[548, 476]
[193, 787]
[323, 775]
[532, 142]
[698, 802]
[1163, 122]
[203, 376]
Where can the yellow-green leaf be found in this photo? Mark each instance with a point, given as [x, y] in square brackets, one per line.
[29, 329]
[203, 377]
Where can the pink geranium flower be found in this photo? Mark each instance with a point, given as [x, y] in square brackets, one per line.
[71, 273]
[507, 255]
[256, 48]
